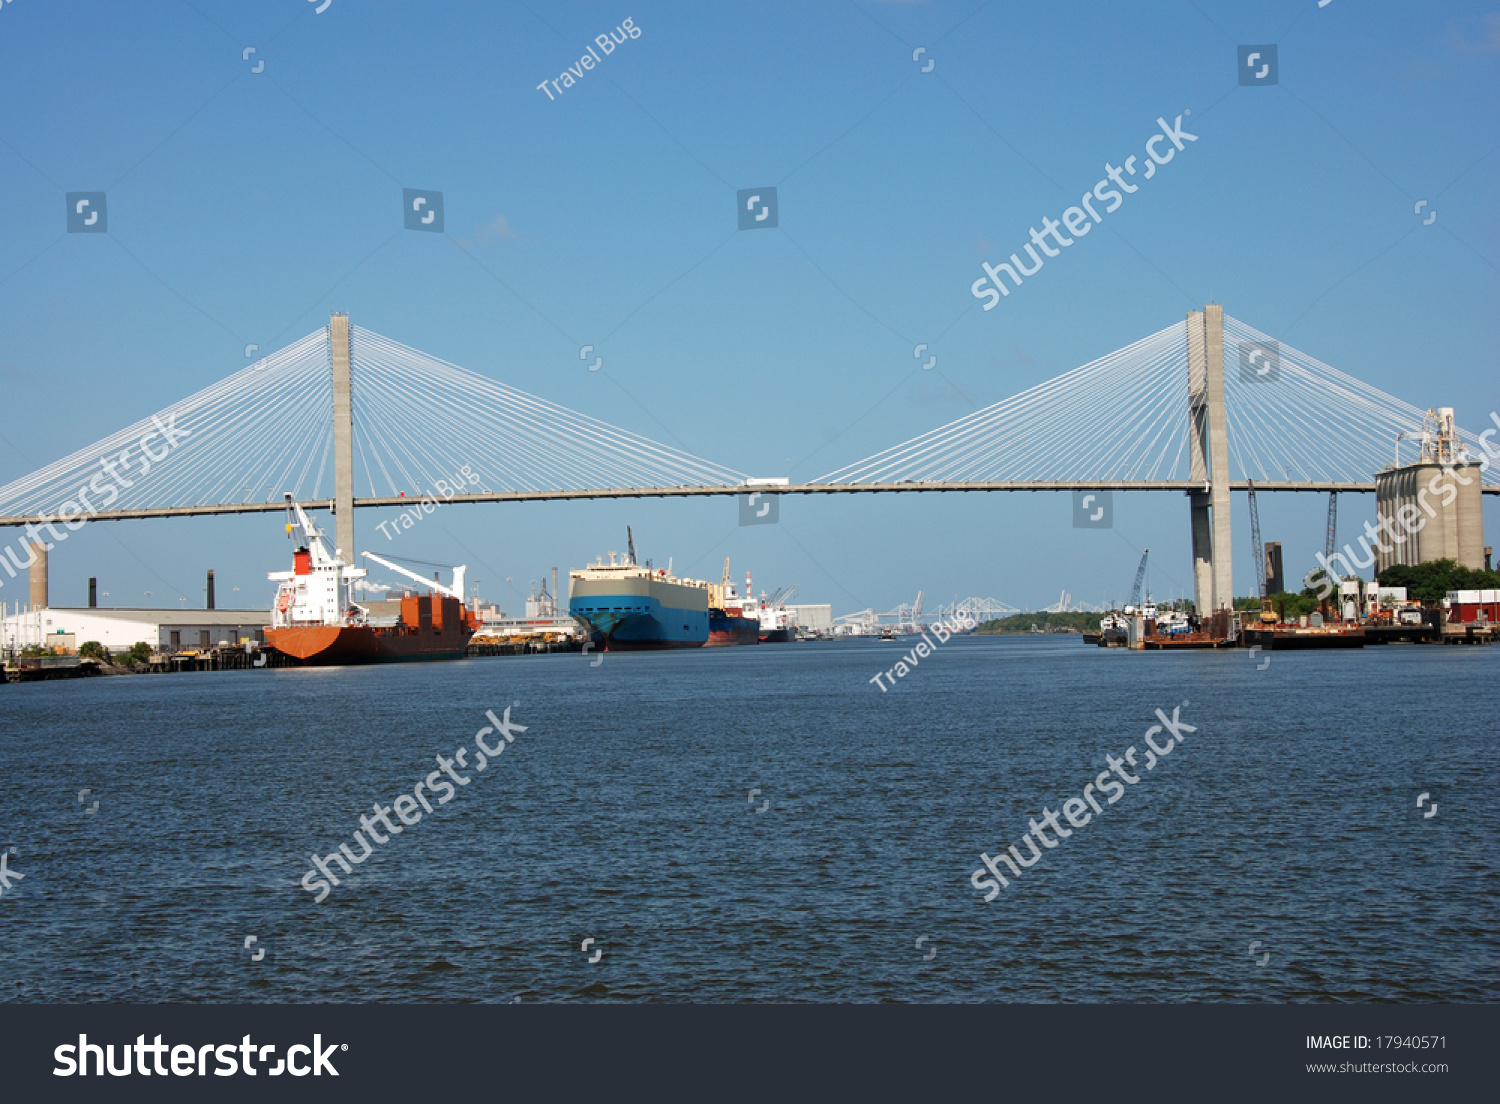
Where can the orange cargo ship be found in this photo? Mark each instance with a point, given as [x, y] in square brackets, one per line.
[315, 618]
[429, 627]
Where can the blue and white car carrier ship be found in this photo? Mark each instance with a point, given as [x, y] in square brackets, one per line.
[631, 606]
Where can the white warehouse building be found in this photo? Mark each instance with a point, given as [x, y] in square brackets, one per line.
[166, 630]
[818, 617]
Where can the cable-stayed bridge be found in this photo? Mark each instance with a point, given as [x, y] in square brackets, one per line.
[347, 417]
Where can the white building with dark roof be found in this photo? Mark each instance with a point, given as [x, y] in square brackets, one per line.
[166, 630]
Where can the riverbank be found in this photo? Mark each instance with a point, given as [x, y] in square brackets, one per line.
[1045, 622]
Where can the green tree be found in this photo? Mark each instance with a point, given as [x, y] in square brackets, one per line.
[92, 649]
[1432, 581]
[1022, 622]
[1283, 602]
[137, 653]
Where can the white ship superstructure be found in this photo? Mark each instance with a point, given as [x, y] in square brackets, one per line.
[319, 590]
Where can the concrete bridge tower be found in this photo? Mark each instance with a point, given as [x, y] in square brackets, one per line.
[343, 437]
[1213, 564]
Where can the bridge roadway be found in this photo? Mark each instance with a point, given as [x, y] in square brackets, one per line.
[906, 487]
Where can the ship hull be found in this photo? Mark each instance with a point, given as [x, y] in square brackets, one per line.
[638, 609]
[1290, 639]
[726, 629]
[775, 636]
[426, 628]
[640, 622]
[335, 645]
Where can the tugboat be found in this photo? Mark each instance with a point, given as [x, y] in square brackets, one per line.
[315, 618]
[1114, 631]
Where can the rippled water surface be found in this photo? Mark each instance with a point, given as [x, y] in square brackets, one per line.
[624, 814]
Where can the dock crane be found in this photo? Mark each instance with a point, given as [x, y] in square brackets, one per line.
[1257, 552]
[1135, 588]
[455, 591]
[1333, 518]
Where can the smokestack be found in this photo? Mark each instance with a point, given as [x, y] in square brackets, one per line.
[39, 575]
[210, 589]
[93, 593]
[555, 598]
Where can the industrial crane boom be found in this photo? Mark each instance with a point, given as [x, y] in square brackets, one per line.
[455, 591]
[1333, 522]
[1257, 552]
[1140, 577]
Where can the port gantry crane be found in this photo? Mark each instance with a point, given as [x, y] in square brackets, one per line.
[905, 617]
[916, 614]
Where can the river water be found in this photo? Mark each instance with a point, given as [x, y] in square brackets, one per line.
[624, 814]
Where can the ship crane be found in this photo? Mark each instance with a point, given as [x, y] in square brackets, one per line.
[455, 591]
[779, 600]
[312, 536]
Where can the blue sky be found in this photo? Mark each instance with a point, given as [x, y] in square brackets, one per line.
[244, 207]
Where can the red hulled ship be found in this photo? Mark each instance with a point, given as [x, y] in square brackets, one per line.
[732, 618]
[316, 619]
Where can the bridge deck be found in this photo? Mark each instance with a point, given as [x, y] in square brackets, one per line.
[1180, 486]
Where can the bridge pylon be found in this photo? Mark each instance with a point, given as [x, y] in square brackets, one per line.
[343, 436]
[1208, 440]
